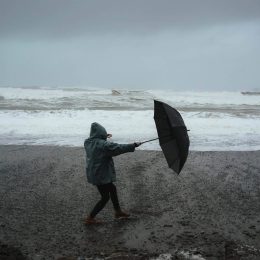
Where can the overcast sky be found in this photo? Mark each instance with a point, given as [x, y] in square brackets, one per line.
[134, 44]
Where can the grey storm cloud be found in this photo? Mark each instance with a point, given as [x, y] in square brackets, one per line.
[187, 44]
[66, 18]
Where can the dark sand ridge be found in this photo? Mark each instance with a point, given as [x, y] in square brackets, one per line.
[212, 208]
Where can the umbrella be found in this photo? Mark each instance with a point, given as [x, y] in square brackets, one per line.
[172, 133]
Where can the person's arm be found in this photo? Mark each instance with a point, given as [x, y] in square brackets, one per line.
[114, 149]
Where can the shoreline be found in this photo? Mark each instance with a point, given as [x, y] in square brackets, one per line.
[211, 209]
[138, 149]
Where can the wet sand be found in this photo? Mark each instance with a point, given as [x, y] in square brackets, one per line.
[210, 211]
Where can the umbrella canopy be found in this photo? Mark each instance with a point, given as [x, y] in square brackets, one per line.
[172, 133]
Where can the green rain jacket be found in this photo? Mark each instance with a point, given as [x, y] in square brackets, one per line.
[99, 152]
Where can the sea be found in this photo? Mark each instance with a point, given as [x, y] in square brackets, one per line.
[42, 115]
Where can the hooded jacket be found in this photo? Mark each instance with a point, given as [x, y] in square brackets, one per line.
[99, 152]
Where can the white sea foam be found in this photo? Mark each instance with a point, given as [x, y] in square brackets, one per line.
[47, 92]
[191, 98]
[71, 127]
[59, 116]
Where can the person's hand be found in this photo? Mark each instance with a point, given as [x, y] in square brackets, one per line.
[137, 144]
[109, 135]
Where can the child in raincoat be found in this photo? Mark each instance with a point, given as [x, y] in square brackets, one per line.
[100, 169]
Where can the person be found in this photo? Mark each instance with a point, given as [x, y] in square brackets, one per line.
[100, 169]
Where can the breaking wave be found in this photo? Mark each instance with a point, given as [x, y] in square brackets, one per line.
[62, 116]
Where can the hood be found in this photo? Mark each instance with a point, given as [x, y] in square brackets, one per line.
[97, 131]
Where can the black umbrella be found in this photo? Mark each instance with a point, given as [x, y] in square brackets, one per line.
[172, 133]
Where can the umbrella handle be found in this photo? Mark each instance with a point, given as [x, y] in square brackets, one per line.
[149, 140]
[156, 139]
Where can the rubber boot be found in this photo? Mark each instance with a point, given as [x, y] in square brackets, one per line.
[91, 221]
[120, 214]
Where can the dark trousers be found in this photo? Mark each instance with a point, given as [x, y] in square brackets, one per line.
[106, 191]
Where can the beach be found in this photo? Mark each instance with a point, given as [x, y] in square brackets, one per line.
[210, 211]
